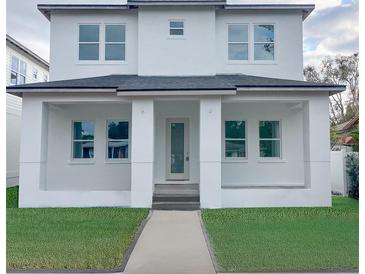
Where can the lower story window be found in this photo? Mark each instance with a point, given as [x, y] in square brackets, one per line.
[235, 139]
[83, 139]
[270, 139]
[118, 139]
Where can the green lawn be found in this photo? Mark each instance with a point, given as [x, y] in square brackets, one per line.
[285, 239]
[69, 238]
[12, 197]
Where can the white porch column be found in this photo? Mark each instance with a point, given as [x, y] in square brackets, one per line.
[33, 151]
[142, 152]
[210, 152]
[317, 149]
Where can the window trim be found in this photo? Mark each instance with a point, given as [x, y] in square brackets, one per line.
[114, 43]
[81, 160]
[234, 159]
[99, 43]
[271, 159]
[273, 61]
[248, 44]
[117, 160]
[175, 36]
[18, 73]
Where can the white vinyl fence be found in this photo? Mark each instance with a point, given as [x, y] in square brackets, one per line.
[339, 177]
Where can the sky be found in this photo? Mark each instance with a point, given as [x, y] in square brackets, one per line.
[332, 29]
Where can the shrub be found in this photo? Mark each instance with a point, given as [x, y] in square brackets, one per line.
[352, 168]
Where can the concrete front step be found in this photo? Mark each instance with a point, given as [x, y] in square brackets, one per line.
[176, 189]
[175, 198]
[176, 205]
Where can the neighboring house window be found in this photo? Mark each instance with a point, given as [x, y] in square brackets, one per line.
[89, 42]
[270, 139]
[264, 42]
[35, 74]
[238, 42]
[176, 28]
[83, 139]
[118, 139]
[45, 77]
[235, 139]
[18, 71]
[115, 42]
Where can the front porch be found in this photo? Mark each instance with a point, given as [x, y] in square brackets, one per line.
[173, 142]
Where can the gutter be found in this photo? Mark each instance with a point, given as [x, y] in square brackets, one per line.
[180, 92]
[332, 90]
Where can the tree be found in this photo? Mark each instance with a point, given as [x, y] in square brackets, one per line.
[339, 70]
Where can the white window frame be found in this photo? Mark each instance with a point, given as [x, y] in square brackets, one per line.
[115, 43]
[107, 159]
[232, 159]
[85, 43]
[87, 160]
[176, 36]
[35, 74]
[18, 73]
[280, 139]
[248, 44]
[254, 43]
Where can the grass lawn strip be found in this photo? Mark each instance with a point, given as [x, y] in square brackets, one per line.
[12, 196]
[70, 238]
[285, 239]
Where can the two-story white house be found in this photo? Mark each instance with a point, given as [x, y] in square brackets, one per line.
[23, 66]
[175, 103]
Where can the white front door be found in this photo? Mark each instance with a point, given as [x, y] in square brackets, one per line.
[177, 149]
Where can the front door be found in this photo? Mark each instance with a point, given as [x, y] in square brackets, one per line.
[177, 156]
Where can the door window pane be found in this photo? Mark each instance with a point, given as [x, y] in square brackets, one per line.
[177, 148]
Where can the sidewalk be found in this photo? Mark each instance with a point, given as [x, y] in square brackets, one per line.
[171, 242]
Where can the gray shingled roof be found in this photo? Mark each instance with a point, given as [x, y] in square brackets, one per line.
[160, 83]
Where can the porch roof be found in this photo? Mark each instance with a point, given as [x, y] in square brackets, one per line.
[148, 85]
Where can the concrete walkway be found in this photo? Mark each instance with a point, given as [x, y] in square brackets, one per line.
[172, 242]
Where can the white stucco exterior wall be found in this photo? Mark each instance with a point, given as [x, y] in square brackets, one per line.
[288, 63]
[201, 51]
[64, 63]
[192, 54]
[97, 174]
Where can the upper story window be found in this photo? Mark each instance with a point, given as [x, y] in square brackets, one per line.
[83, 139]
[264, 42]
[115, 42]
[118, 139]
[235, 139]
[270, 139]
[176, 28]
[89, 42]
[35, 74]
[238, 42]
[18, 72]
[45, 77]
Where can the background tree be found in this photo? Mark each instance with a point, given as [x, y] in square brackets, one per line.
[339, 70]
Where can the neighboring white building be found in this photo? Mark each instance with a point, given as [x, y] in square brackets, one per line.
[175, 104]
[22, 66]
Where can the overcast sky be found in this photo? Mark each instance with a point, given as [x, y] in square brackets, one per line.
[330, 30]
